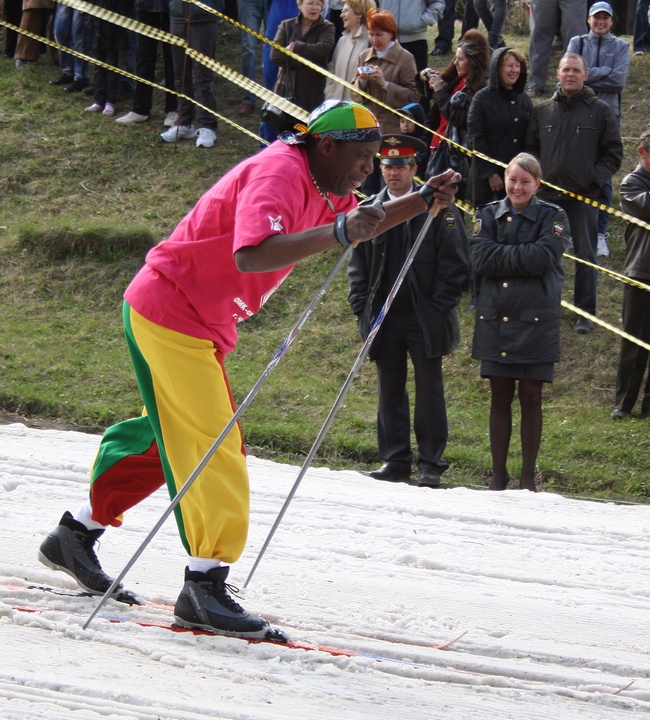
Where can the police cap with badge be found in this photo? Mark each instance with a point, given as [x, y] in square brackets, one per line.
[400, 149]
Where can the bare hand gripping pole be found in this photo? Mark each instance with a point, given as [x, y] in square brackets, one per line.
[224, 433]
[346, 385]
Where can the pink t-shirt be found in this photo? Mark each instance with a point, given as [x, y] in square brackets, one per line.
[190, 282]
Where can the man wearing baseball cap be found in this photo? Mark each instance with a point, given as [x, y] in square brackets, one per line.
[421, 322]
[608, 62]
[219, 266]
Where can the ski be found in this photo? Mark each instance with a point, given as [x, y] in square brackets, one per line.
[277, 638]
[472, 676]
[123, 596]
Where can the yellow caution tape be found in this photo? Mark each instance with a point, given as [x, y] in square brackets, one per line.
[262, 92]
[300, 114]
[606, 325]
[611, 273]
[120, 71]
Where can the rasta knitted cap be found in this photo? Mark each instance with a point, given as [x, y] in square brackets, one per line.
[342, 120]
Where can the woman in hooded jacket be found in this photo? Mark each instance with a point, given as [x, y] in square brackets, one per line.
[496, 124]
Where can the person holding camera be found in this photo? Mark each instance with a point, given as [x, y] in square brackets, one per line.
[453, 90]
[386, 71]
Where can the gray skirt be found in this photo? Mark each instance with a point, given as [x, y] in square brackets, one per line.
[518, 371]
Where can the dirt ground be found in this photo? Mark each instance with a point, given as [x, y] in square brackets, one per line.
[43, 424]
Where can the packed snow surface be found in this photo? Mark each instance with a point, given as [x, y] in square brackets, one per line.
[553, 596]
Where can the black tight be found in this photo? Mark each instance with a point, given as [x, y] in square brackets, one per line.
[530, 401]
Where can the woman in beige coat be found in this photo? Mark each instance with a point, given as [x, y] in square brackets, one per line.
[350, 45]
[386, 71]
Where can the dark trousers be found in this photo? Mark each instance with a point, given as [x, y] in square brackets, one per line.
[335, 19]
[420, 51]
[583, 224]
[605, 198]
[146, 65]
[192, 78]
[401, 336]
[641, 26]
[106, 82]
[13, 13]
[446, 23]
[494, 19]
[108, 40]
[633, 359]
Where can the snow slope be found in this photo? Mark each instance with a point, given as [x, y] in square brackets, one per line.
[554, 595]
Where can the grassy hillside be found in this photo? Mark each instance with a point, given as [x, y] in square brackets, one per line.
[81, 199]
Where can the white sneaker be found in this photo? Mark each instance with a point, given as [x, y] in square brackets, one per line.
[602, 250]
[95, 107]
[178, 132]
[131, 118]
[205, 137]
[170, 119]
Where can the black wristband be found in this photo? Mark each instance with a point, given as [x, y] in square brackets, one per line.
[427, 194]
[340, 231]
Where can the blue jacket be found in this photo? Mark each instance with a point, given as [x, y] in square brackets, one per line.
[608, 62]
[412, 17]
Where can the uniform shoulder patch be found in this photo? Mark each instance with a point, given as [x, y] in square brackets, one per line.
[476, 226]
[449, 219]
[558, 228]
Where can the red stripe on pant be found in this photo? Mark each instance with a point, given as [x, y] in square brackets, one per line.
[125, 484]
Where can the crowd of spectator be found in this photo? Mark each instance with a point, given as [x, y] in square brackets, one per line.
[481, 101]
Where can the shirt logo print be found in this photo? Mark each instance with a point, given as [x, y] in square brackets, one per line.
[276, 223]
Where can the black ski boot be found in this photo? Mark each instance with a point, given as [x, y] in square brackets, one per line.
[205, 603]
[69, 547]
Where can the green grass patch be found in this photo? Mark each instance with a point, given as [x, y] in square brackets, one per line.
[81, 200]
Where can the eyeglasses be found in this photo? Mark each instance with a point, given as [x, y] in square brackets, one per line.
[313, 4]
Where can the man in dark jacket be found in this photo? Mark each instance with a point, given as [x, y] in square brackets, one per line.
[633, 360]
[421, 322]
[576, 137]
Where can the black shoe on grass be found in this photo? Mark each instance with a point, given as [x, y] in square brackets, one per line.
[63, 79]
[76, 86]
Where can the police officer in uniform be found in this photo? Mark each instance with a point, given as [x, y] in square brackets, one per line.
[421, 323]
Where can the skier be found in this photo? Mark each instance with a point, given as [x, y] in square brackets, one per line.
[221, 263]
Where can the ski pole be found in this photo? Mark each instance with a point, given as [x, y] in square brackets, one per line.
[346, 385]
[215, 445]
